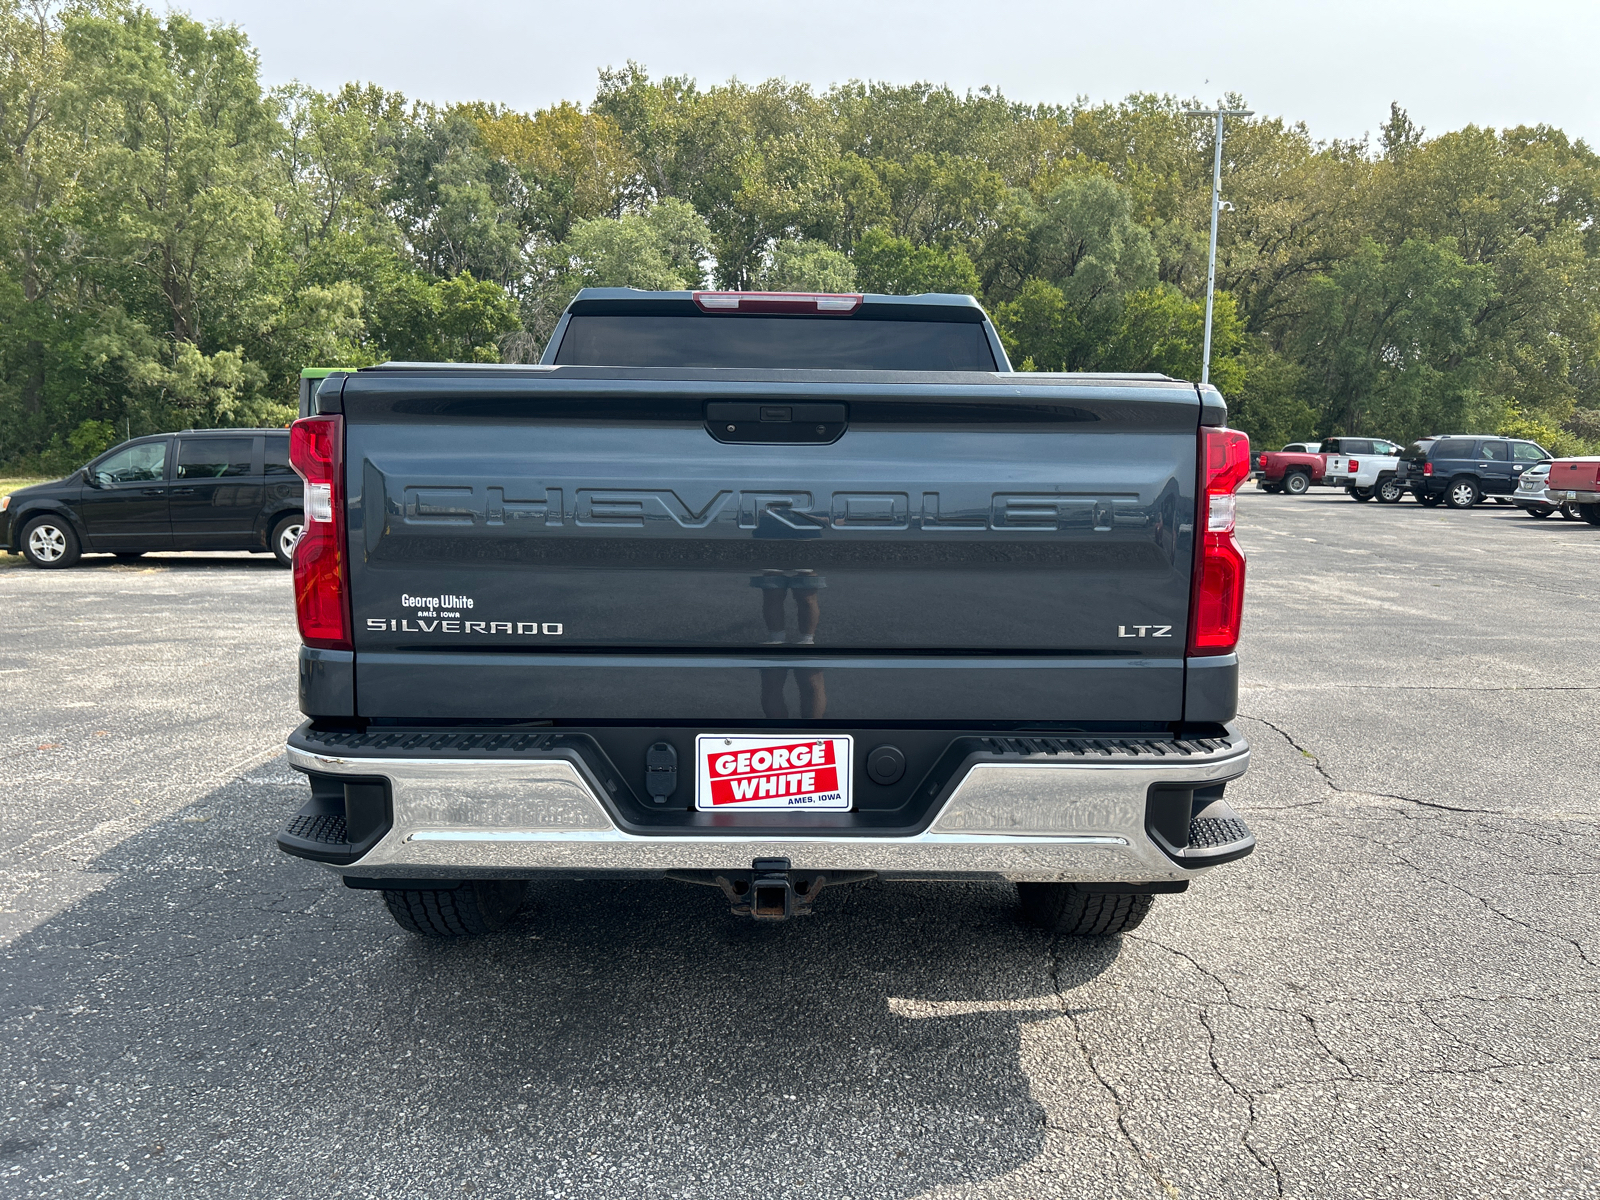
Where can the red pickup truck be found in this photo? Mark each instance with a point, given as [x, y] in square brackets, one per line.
[1576, 481]
[1293, 469]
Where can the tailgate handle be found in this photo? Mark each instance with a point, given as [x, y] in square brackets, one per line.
[746, 422]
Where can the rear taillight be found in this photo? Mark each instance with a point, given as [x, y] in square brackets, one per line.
[1427, 468]
[778, 302]
[1219, 563]
[321, 591]
[1353, 466]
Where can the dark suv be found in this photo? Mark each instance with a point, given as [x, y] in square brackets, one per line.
[1462, 469]
[207, 489]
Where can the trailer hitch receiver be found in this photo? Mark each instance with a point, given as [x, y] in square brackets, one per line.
[770, 890]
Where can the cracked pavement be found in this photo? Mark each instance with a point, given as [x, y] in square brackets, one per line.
[1397, 995]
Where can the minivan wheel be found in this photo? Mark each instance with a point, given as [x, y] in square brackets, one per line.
[1297, 483]
[1063, 908]
[1462, 493]
[284, 535]
[1389, 492]
[49, 542]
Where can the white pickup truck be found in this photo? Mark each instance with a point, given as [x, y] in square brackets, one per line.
[1363, 467]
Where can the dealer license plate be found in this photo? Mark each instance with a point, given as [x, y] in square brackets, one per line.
[733, 771]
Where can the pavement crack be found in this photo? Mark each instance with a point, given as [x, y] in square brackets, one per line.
[1118, 1107]
[1344, 791]
[1496, 910]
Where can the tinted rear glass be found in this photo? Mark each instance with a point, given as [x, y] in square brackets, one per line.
[777, 343]
[1453, 448]
[1417, 451]
[278, 456]
[214, 458]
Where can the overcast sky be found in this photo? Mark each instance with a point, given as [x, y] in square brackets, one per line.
[1334, 66]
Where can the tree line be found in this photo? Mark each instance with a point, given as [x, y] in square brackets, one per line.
[179, 241]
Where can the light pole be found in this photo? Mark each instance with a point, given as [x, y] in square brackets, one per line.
[1216, 203]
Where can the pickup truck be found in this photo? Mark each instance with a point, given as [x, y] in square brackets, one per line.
[1576, 481]
[768, 593]
[1294, 469]
[1363, 467]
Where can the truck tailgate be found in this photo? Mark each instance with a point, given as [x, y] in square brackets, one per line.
[577, 544]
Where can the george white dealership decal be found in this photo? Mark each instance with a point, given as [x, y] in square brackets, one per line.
[450, 614]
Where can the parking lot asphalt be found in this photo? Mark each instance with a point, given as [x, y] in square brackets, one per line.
[1395, 996]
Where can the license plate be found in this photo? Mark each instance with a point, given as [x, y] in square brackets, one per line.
[1572, 495]
[733, 771]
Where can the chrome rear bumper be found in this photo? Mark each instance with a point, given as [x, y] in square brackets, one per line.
[1077, 819]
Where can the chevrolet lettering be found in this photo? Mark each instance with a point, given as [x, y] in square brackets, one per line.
[770, 593]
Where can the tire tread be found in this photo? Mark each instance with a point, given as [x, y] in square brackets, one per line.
[1062, 908]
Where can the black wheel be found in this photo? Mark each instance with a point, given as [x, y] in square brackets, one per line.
[476, 907]
[1360, 493]
[1541, 513]
[1272, 488]
[1429, 499]
[1570, 512]
[284, 535]
[1389, 492]
[1590, 513]
[1462, 493]
[50, 542]
[1062, 908]
[130, 555]
[1297, 483]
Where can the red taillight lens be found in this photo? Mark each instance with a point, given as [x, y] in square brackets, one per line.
[1219, 563]
[321, 595]
[1427, 468]
[1353, 466]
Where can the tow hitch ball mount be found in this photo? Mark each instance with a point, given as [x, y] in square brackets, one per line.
[770, 890]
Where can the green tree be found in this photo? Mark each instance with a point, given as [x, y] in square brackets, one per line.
[895, 266]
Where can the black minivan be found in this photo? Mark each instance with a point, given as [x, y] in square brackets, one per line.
[204, 489]
[1462, 469]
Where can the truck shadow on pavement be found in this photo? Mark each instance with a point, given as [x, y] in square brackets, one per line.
[235, 1022]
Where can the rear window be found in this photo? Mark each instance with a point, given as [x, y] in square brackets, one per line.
[774, 343]
[1453, 448]
[1416, 452]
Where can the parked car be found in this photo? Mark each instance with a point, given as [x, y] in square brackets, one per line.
[205, 489]
[1533, 497]
[1294, 469]
[1462, 469]
[1363, 467]
[1576, 481]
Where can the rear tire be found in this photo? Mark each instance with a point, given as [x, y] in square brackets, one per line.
[471, 910]
[1062, 908]
[1389, 492]
[1570, 512]
[1429, 499]
[1590, 513]
[1360, 493]
[1462, 493]
[284, 535]
[1541, 513]
[50, 543]
[1297, 483]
